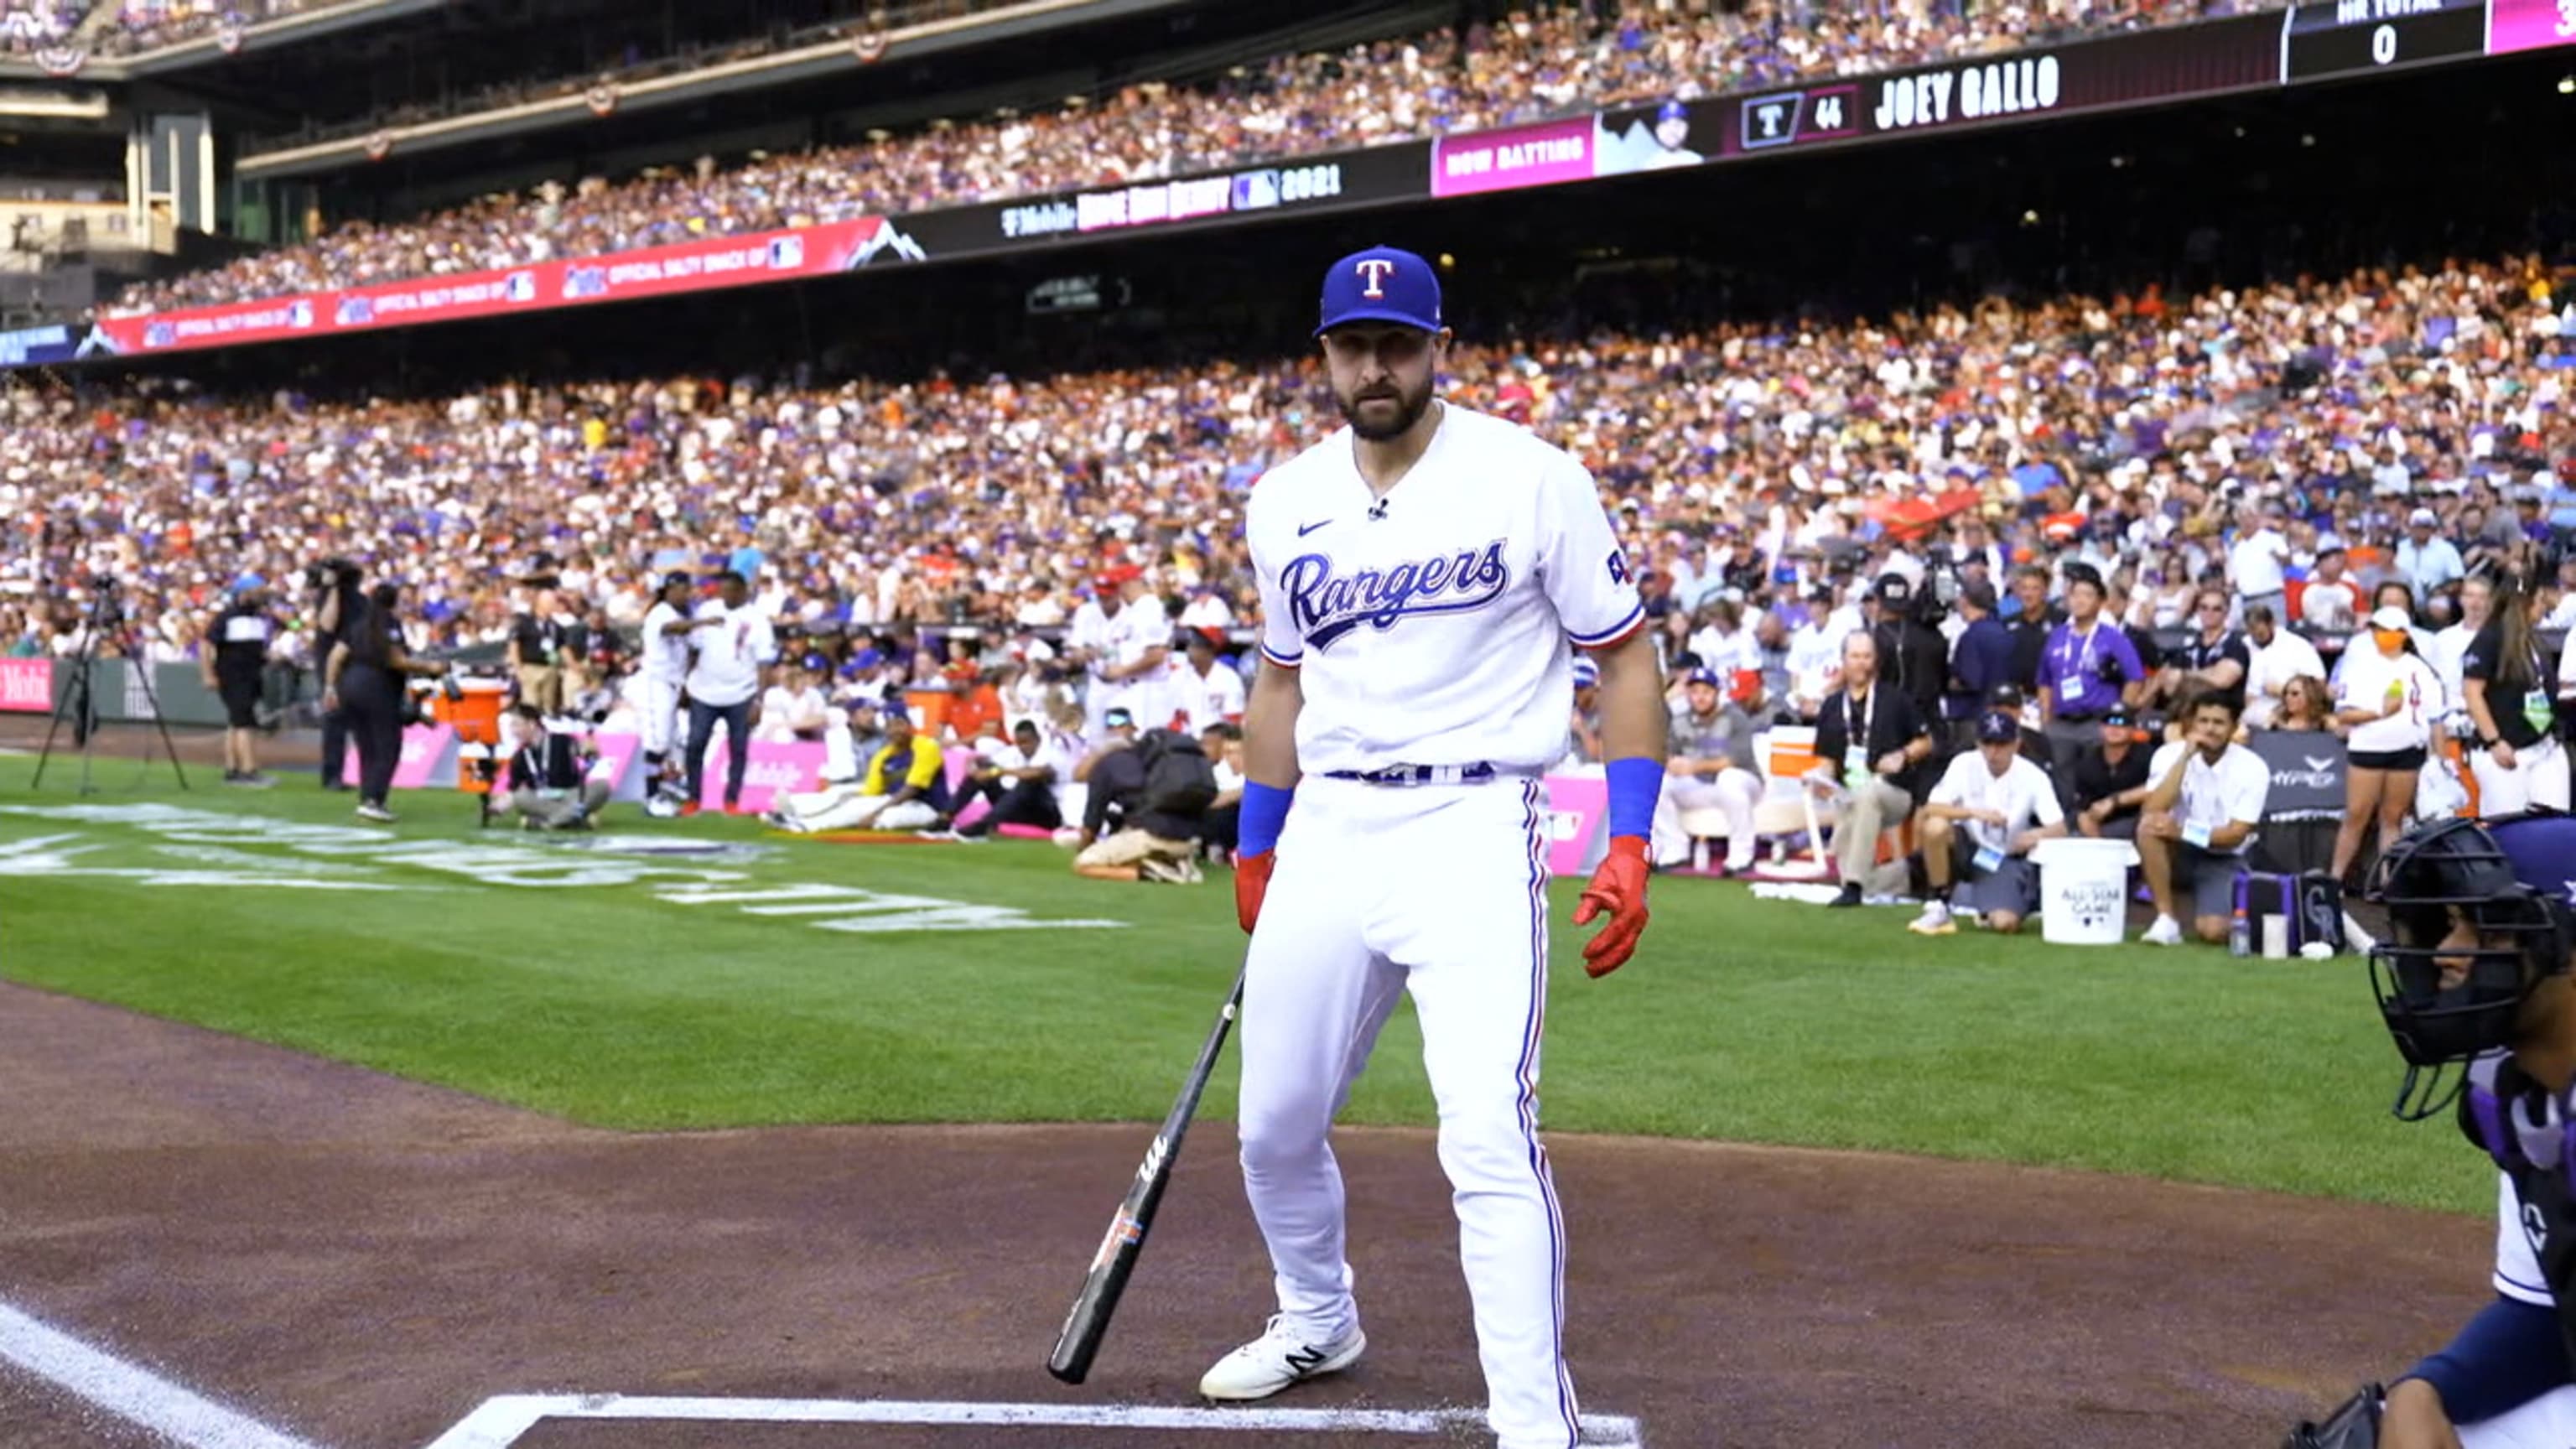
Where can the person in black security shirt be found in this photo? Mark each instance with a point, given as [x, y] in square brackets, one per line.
[364, 680]
[2473, 982]
[233, 661]
[2511, 697]
[2213, 659]
[548, 785]
[1872, 743]
[1913, 656]
[2110, 782]
[339, 604]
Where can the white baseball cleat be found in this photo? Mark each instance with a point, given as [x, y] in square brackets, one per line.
[2165, 932]
[1279, 1357]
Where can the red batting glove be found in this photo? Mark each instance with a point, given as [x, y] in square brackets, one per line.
[1251, 883]
[1618, 888]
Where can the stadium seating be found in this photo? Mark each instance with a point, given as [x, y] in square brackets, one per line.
[1538, 63]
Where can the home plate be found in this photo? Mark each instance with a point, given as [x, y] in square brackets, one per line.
[578, 1421]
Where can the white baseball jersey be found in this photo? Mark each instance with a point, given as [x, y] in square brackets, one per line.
[666, 656]
[1199, 700]
[1437, 633]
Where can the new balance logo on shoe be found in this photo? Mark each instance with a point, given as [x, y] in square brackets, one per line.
[1303, 1361]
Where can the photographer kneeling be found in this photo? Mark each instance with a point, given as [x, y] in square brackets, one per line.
[1158, 790]
[363, 682]
[548, 786]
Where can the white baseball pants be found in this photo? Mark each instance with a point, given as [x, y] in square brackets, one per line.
[660, 725]
[1439, 891]
[1734, 791]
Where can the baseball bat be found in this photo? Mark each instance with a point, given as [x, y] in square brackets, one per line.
[1088, 1323]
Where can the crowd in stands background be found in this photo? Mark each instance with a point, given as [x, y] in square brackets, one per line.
[2247, 474]
[1538, 62]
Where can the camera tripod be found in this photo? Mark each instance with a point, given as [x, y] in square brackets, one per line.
[79, 702]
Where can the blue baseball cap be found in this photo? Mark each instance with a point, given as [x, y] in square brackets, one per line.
[1707, 677]
[1382, 284]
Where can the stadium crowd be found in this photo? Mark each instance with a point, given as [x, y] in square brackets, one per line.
[2238, 482]
[1537, 63]
[27, 26]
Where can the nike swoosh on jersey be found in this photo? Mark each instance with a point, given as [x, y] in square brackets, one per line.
[1307, 528]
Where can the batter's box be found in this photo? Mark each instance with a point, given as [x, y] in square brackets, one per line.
[599, 1421]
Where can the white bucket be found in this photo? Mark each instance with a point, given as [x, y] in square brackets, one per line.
[2083, 890]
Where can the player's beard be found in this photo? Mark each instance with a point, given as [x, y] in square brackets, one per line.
[1371, 418]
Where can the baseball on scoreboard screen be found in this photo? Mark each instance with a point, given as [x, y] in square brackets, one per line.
[2354, 37]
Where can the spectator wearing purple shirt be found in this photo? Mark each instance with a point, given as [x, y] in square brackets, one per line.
[2088, 667]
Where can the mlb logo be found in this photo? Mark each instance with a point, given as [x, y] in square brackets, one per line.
[585, 282]
[786, 253]
[159, 334]
[353, 312]
[520, 287]
[299, 313]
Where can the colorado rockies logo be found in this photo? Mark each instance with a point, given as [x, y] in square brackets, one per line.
[1325, 607]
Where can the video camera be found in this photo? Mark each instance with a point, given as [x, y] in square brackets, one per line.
[416, 708]
[1941, 584]
[330, 573]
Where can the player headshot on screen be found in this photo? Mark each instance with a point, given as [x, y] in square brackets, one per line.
[1427, 577]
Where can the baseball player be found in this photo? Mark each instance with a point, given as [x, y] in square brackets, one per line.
[1425, 575]
[2473, 983]
[667, 629]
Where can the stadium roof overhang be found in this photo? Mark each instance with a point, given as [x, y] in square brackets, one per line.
[809, 62]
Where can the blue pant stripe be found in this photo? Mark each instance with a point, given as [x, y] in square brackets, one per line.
[1533, 821]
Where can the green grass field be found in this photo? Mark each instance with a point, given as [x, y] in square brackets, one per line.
[645, 1004]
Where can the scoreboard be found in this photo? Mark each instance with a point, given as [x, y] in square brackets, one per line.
[2355, 37]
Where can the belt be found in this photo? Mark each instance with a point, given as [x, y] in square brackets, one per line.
[1476, 774]
[2064, 718]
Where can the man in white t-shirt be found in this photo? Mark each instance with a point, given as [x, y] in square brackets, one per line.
[1980, 823]
[2274, 657]
[2255, 564]
[664, 672]
[735, 640]
[2204, 800]
[793, 708]
[1202, 689]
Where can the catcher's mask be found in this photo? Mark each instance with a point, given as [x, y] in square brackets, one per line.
[2509, 882]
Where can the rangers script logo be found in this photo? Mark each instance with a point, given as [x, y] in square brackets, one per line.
[1325, 607]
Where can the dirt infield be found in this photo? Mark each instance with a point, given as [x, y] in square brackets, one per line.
[361, 1262]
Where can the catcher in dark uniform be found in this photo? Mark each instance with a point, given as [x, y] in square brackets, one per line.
[2473, 981]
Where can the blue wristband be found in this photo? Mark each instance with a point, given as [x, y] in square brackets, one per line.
[1265, 810]
[1635, 785]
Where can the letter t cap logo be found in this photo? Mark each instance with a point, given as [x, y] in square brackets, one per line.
[1375, 270]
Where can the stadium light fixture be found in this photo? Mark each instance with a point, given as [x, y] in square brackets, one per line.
[2567, 85]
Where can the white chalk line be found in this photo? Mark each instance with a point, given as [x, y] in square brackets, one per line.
[501, 1421]
[131, 1392]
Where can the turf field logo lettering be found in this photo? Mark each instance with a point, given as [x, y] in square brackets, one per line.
[1324, 605]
